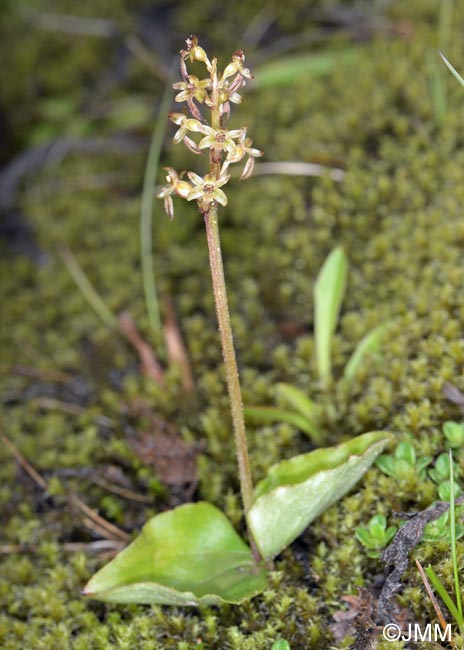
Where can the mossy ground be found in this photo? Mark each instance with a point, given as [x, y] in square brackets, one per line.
[398, 213]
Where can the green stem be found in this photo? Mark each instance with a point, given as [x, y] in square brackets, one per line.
[230, 363]
[225, 329]
[228, 351]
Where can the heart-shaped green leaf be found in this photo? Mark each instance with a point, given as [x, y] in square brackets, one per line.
[187, 556]
[296, 491]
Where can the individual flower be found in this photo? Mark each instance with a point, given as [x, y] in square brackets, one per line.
[186, 124]
[192, 88]
[220, 139]
[175, 185]
[194, 52]
[243, 148]
[236, 66]
[207, 189]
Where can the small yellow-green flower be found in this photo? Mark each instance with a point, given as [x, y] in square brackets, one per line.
[186, 124]
[175, 185]
[207, 189]
[195, 53]
[243, 148]
[236, 66]
[193, 88]
[220, 139]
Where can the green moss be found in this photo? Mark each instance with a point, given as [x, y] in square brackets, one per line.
[398, 214]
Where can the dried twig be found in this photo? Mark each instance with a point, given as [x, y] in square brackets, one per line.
[106, 529]
[38, 373]
[91, 519]
[35, 476]
[176, 349]
[123, 492]
[99, 546]
[407, 537]
[69, 24]
[453, 394]
[150, 366]
[436, 606]
[298, 169]
[138, 49]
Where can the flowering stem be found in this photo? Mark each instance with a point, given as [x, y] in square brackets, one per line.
[230, 362]
[216, 93]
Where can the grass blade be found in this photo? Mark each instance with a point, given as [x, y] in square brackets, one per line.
[146, 212]
[440, 589]
[86, 288]
[431, 595]
[452, 70]
[453, 538]
[329, 292]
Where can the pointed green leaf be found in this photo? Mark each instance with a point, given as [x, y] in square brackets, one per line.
[187, 556]
[329, 292]
[285, 70]
[369, 344]
[296, 491]
[299, 400]
[271, 414]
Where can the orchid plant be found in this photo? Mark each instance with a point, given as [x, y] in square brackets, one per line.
[192, 555]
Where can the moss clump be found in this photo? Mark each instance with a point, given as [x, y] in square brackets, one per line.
[398, 214]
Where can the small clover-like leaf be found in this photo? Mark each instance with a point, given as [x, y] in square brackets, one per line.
[187, 556]
[376, 536]
[296, 491]
[454, 433]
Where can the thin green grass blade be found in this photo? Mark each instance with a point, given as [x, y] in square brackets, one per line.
[441, 590]
[329, 292]
[437, 88]
[452, 70]
[86, 288]
[457, 588]
[146, 212]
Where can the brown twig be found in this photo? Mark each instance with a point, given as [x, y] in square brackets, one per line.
[295, 168]
[51, 404]
[428, 588]
[138, 49]
[177, 352]
[35, 476]
[150, 366]
[99, 546]
[91, 519]
[38, 373]
[123, 492]
[111, 531]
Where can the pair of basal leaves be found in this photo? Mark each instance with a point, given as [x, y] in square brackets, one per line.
[192, 555]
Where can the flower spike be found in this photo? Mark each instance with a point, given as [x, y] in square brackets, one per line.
[215, 92]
